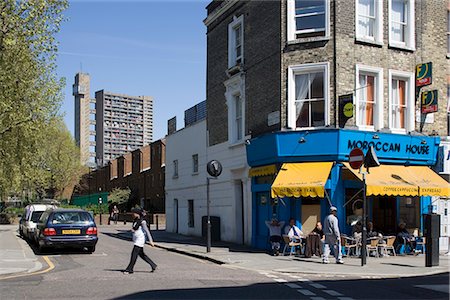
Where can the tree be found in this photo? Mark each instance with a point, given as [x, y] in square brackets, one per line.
[30, 92]
[119, 196]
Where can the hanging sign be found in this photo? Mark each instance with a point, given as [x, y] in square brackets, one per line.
[345, 109]
[424, 74]
[429, 102]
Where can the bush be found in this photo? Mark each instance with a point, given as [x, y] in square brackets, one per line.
[14, 211]
[104, 208]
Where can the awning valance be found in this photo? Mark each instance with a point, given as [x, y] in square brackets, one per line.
[262, 171]
[394, 180]
[301, 180]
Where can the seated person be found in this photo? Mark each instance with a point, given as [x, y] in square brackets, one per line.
[275, 234]
[294, 233]
[318, 230]
[370, 232]
[404, 237]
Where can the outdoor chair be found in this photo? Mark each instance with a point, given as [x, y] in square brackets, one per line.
[420, 245]
[390, 240]
[290, 246]
[372, 245]
[347, 244]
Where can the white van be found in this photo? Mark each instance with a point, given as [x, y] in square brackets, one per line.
[30, 217]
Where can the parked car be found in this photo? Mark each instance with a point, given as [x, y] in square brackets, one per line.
[29, 219]
[61, 228]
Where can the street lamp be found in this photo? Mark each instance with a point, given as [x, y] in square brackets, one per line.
[100, 201]
[214, 168]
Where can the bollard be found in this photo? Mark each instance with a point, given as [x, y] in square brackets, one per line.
[157, 223]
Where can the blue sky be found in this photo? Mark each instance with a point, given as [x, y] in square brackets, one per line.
[155, 48]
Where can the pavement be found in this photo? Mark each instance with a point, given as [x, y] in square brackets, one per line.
[17, 257]
[15, 254]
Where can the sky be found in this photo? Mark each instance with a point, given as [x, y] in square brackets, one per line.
[146, 47]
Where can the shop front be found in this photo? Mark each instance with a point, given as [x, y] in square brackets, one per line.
[300, 174]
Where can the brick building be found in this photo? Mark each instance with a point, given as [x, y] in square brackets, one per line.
[141, 170]
[279, 74]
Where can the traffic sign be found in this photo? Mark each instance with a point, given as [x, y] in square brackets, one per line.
[356, 158]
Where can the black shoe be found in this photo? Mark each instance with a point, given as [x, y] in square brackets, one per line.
[154, 269]
[126, 272]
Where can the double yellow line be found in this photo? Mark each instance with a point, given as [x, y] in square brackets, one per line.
[51, 266]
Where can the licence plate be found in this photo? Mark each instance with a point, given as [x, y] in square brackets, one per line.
[71, 231]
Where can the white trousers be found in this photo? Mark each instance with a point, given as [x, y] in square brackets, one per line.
[335, 243]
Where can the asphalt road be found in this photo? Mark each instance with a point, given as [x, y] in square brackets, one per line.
[98, 276]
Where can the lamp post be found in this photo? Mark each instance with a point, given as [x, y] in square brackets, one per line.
[100, 201]
[214, 168]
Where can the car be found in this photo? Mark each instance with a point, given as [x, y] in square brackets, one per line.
[29, 219]
[63, 228]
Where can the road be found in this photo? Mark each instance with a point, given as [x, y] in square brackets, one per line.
[98, 276]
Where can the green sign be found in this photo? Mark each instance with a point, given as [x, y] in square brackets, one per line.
[429, 102]
[424, 74]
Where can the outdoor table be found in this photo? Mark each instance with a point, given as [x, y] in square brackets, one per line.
[313, 245]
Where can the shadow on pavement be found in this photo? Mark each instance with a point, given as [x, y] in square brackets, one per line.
[56, 251]
[406, 288]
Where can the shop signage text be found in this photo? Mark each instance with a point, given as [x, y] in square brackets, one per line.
[389, 147]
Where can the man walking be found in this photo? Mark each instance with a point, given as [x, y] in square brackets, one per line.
[332, 237]
[139, 242]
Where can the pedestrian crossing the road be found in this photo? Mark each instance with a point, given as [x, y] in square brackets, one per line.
[305, 287]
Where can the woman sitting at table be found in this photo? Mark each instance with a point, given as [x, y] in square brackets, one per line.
[404, 237]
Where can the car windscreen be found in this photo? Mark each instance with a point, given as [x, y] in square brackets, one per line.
[70, 217]
[35, 216]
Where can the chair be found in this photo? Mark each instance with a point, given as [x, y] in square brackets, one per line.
[290, 245]
[372, 246]
[390, 240]
[420, 245]
[347, 244]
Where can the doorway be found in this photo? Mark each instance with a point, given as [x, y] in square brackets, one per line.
[384, 214]
[239, 196]
[310, 216]
[175, 206]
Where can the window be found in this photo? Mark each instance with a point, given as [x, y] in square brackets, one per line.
[236, 42]
[307, 18]
[401, 101]
[238, 117]
[235, 87]
[369, 20]
[195, 163]
[191, 213]
[308, 96]
[175, 168]
[401, 23]
[448, 33]
[369, 97]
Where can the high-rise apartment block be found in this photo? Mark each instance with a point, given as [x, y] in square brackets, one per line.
[124, 123]
[118, 124]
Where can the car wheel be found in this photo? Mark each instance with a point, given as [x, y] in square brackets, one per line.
[91, 249]
[41, 248]
[21, 232]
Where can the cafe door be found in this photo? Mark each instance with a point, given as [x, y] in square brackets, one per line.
[384, 214]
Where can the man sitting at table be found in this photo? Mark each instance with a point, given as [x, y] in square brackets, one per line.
[294, 233]
[318, 230]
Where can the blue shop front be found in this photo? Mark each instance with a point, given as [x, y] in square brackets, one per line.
[300, 174]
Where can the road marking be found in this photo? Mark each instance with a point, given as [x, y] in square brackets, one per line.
[332, 293]
[345, 298]
[435, 287]
[293, 285]
[280, 280]
[317, 298]
[51, 266]
[317, 286]
[306, 292]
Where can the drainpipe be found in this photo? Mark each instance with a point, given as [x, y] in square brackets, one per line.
[336, 101]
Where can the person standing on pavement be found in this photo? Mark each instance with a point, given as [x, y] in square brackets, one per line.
[115, 214]
[332, 237]
[139, 242]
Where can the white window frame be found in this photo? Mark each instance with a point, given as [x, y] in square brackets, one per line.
[378, 97]
[448, 33]
[232, 58]
[378, 27]
[410, 101]
[410, 39]
[194, 164]
[291, 24]
[175, 168]
[304, 69]
[235, 86]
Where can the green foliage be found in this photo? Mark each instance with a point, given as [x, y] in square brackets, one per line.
[96, 209]
[119, 196]
[35, 146]
[13, 211]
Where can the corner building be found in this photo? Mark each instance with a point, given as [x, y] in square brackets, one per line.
[302, 83]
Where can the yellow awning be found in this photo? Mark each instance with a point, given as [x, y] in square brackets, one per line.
[430, 183]
[262, 171]
[393, 180]
[301, 180]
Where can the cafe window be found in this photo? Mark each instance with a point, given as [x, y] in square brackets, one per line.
[410, 212]
[308, 18]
